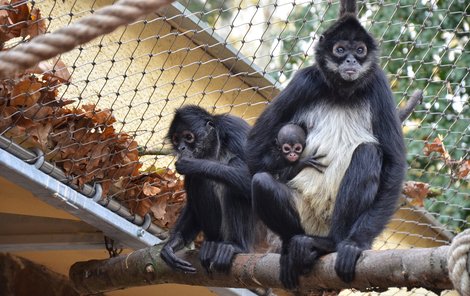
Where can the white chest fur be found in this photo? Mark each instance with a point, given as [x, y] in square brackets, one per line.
[335, 132]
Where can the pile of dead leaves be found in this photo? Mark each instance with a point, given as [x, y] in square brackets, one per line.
[81, 140]
[158, 191]
[17, 20]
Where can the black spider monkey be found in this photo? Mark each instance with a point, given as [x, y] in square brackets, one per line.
[347, 107]
[210, 152]
[290, 143]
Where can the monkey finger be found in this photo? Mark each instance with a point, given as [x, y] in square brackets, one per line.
[223, 258]
[176, 263]
[206, 254]
[309, 260]
[320, 170]
[287, 275]
[315, 162]
[345, 265]
[185, 266]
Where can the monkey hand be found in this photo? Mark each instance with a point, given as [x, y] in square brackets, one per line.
[297, 259]
[168, 255]
[313, 162]
[187, 166]
[217, 256]
[348, 254]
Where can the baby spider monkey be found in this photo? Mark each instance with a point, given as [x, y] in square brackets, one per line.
[290, 141]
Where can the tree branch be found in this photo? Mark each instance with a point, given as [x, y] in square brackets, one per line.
[425, 268]
[415, 98]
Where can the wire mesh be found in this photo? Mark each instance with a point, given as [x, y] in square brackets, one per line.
[101, 111]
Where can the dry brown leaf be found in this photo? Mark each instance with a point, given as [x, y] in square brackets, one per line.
[38, 135]
[20, 13]
[140, 207]
[417, 191]
[37, 24]
[6, 116]
[38, 113]
[463, 169]
[172, 214]
[159, 207]
[54, 70]
[26, 92]
[436, 146]
[150, 190]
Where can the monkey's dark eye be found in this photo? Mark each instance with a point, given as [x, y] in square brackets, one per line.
[188, 137]
[340, 50]
[361, 50]
[174, 139]
[286, 148]
[298, 148]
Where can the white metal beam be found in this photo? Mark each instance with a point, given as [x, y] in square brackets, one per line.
[62, 196]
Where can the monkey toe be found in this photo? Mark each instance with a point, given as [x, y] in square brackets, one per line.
[303, 253]
[345, 265]
[288, 275]
[224, 257]
[207, 252]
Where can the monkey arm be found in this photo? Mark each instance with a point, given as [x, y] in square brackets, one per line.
[235, 173]
[259, 152]
[184, 232]
[356, 197]
[374, 179]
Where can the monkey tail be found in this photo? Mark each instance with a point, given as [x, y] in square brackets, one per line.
[347, 7]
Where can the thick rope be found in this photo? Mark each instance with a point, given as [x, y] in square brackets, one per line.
[103, 21]
[459, 263]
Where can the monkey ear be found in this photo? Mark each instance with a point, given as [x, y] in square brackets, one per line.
[321, 38]
[209, 124]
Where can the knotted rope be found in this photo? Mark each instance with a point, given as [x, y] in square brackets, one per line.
[459, 263]
[103, 21]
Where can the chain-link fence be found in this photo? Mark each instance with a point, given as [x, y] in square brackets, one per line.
[101, 111]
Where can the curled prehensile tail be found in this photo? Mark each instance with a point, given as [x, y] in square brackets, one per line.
[347, 7]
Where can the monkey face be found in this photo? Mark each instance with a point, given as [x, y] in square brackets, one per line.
[292, 152]
[195, 141]
[346, 53]
[183, 143]
[348, 59]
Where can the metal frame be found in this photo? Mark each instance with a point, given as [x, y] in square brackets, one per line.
[62, 196]
[202, 34]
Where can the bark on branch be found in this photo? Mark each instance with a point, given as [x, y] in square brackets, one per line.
[426, 268]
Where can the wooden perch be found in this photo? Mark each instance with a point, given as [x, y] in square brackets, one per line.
[376, 270]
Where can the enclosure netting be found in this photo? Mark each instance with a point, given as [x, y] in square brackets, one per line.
[101, 111]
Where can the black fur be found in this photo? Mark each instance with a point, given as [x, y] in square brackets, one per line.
[217, 182]
[347, 7]
[368, 193]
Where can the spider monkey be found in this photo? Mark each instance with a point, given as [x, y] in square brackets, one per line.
[347, 107]
[290, 143]
[210, 154]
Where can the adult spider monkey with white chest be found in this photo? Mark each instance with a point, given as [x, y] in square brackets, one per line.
[347, 107]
